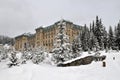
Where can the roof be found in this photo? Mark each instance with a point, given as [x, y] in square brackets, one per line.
[25, 35]
[56, 23]
[39, 28]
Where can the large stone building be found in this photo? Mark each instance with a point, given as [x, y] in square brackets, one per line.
[23, 41]
[44, 36]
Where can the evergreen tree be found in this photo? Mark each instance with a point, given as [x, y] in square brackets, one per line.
[118, 36]
[76, 46]
[3, 53]
[6, 40]
[115, 35]
[93, 27]
[85, 38]
[91, 41]
[38, 55]
[105, 39]
[27, 55]
[99, 32]
[62, 51]
[13, 59]
[96, 47]
[111, 39]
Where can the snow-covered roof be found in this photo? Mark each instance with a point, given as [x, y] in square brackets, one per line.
[26, 35]
[56, 23]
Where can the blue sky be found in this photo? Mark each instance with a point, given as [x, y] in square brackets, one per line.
[20, 16]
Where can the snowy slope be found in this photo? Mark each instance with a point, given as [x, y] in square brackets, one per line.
[94, 71]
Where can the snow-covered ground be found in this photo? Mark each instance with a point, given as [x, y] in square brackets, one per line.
[93, 71]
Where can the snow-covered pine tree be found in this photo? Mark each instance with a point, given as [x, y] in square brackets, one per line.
[13, 59]
[38, 55]
[118, 36]
[27, 55]
[99, 32]
[115, 35]
[3, 53]
[76, 46]
[105, 39]
[93, 27]
[84, 38]
[111, 39]
[91, 40]
[61, 51]
[96, 46]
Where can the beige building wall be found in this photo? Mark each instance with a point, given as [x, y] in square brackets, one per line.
[24, 41]
[44, 37]
[20, 41]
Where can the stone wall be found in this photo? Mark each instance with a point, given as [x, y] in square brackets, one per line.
[83, 61]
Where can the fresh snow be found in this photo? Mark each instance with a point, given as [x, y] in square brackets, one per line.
[44, 71]
[6, 46]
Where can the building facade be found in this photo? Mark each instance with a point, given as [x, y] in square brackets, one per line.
[44, 36]
[22, 42]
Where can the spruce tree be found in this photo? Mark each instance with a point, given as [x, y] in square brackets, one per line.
[118, 35]
[99, 32]
[62, 51]
[93, 27]
[111, 39]
[13, 59]
[76, 46]
[105, 39]
[38, 55]
[91, 41]
[85, 38]
[115, 35]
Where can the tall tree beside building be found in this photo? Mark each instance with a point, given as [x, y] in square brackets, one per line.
[61, 51]
[85, 38]
[76, 46]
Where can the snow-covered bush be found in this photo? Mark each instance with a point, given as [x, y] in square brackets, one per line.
[36, 55]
